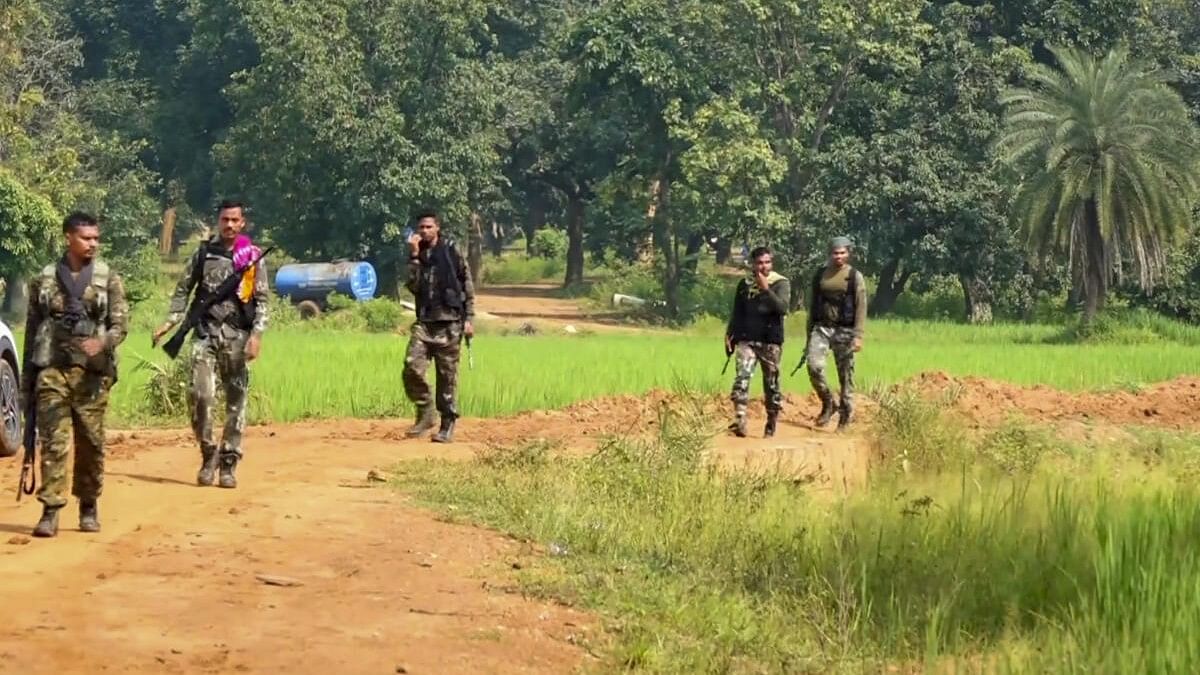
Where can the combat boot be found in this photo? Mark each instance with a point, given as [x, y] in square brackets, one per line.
[843, 419]
[446, 433]
[208, 468]
[48, 525]
[423, 424]
[827, 410]
[227, 479]
[89, 517]
[769, 430]
[738, 427]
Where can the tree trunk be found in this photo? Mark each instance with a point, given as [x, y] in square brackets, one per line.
[662, 232]
[724, 250]
[645, 253]
[534, 221]
[16, 300]
[890, 288]
[475, 248]
[575, 211]
[1095, 269]
[691, 255]
[977, 294]
[496, 239]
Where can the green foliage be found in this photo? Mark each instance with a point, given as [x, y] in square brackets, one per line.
[549, 243]
[521, 269]
[1112, 161]
[140, 272]
[382, 315]
[29, 226]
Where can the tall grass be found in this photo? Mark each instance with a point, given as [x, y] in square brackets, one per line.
[958, 566]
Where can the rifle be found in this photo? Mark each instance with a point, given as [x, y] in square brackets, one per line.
[728, 355]
[228, 287]
[803, 357]
[28, 479]
[470, 357]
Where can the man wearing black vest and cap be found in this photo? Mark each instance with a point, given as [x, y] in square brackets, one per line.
[755, 336]
[837, 314]
[440, 281]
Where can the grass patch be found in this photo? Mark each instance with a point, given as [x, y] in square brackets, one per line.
[694, 571]
[319, 371]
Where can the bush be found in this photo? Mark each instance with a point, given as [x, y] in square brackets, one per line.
[550, 244]
[139, 273]
[382, 315]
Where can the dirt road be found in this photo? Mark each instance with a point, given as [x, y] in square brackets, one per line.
[171, 584]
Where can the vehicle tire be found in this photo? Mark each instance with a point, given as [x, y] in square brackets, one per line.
[308, 309]
[10, 410]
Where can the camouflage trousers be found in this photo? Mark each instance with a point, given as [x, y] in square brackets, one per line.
[220, 356]
[71, 401]
[440, 341]
[841, 342]
[747, 355]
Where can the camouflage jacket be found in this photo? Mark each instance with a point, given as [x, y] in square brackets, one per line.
[429, 284]
[53, 340]
[211, 264]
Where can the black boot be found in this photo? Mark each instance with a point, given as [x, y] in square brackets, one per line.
[89, 517]
[769, 430]
[446, 433]
[827, 410]
[227, 479]
[738, 427]
[48, 525]
[843, 418]
[208, 468]
[423, 424]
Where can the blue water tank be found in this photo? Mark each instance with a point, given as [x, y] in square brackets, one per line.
[315, 281]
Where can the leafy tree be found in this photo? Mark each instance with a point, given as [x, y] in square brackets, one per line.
[1111, 167]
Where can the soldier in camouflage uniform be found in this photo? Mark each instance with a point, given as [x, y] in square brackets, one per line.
[755, 335]
[77, 317]
[837, 314]
[226, 340]
[440, 280]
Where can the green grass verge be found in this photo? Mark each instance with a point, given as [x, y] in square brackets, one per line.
[1049, 564]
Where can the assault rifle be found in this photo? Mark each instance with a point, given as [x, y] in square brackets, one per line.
[28, 479]
[227, 288]
[728, 355]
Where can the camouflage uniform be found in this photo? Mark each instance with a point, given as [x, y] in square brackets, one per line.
[71, 389]
[440, 281]
[836, 318]
[756, 331]
[219, 348]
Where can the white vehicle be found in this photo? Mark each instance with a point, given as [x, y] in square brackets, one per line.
[10, 394]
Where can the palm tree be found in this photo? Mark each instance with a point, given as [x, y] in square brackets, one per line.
[1110, 164]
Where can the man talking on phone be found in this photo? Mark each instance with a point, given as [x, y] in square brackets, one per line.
[755, 336]
[440, 281]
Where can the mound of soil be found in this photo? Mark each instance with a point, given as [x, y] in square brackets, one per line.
[1171, 404]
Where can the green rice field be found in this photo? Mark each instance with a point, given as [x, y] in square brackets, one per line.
[323, 374]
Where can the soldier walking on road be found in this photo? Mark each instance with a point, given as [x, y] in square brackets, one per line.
[77, 317]
[755, 335]
[226, 340]
[837, 314]
[440, 280]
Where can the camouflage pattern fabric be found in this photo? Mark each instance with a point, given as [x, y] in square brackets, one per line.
[840, 341]
[216, 265]
[747, 355]
[220, 356]
[71, 400]
[441, 342]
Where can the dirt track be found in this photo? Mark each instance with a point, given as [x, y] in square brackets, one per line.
[170, 584]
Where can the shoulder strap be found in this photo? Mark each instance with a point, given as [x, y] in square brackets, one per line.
[100, 274]
[198, 264]
[851, 281]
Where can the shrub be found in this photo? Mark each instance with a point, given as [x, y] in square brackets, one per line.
[550, 244]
